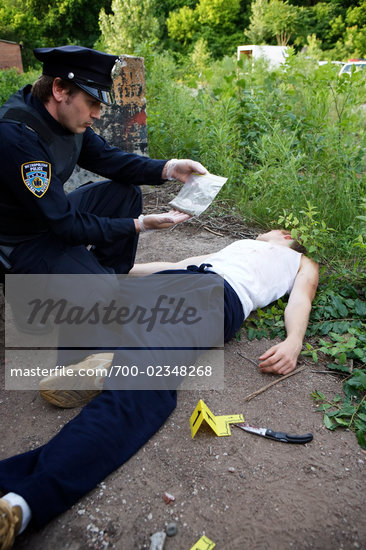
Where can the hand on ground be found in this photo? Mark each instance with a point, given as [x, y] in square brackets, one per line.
[280, 359]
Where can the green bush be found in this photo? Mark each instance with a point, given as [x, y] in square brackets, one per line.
[288, 140]
[11, 81]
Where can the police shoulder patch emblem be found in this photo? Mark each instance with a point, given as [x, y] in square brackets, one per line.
[37, 176]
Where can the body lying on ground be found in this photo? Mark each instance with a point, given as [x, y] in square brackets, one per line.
[44, 482]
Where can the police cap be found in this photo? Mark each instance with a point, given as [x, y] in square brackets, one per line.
[89, 69]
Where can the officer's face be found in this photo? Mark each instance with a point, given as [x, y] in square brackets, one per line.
[78, 111]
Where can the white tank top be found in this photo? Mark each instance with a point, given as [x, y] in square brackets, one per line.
[258, 271]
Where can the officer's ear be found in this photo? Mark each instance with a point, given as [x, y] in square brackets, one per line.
[58, 90]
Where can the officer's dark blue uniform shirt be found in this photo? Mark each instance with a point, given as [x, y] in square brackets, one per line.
[31, 205]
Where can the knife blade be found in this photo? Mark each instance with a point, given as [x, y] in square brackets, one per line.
[275, 436]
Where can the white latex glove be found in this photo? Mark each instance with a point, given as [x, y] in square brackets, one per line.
[161, 221]
[181, 169]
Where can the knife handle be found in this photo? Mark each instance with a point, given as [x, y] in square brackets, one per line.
[288, 438]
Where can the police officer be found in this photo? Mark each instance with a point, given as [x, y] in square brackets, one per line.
[45, 130]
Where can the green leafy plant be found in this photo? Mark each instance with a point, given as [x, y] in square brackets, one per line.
[348, 412]
[267, 323]
[310, 230]
[337, 333]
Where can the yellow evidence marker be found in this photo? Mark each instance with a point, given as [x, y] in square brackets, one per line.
[204, 543]
[219, 424]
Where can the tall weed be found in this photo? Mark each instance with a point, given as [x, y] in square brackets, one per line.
[285, 138]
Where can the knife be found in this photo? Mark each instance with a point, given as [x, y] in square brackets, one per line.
[276, 436]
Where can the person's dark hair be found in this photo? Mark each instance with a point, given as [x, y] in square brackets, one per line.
[295, 244]
[42, 88]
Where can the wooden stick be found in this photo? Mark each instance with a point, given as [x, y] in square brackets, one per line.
[330, 372]
[261, 390]
[247, 358]
[212, 231]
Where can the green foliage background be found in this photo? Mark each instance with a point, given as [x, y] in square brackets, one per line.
[291, 141]
[328, 29]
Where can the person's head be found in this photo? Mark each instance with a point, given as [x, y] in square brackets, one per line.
[74, 83]
[282, 237]
[42, 88]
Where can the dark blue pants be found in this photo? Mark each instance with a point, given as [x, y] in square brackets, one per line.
[49, 254]
[233, 310]
[106, 433]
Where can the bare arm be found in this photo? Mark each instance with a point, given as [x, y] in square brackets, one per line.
[139, 270]
[282, 358]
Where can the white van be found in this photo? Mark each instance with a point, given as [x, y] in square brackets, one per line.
[275, 55]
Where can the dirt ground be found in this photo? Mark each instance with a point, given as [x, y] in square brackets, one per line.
[242, 491]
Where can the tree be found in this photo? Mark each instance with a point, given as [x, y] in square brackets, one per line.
[72, 21]
[257, 32]
[355, 35]
[219, 13]
[18, 24]
[164, 7]
[37, 23]
[272, 19]
[341, 27]
[313, 47]
[131, 24]
[281, 20]
[200, 56]
[217, 21]
[182, 24]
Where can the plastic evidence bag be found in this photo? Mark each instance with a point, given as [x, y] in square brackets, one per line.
[197, 193]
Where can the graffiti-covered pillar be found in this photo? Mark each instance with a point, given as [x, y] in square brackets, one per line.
[124, 123]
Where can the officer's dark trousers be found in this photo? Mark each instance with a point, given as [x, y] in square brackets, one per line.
[106, 433]
[49, 254]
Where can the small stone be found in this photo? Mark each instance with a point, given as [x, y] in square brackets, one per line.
[157, 540]
[231, 469]
[171, 529]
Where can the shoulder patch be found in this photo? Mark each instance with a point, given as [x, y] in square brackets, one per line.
[37, 176]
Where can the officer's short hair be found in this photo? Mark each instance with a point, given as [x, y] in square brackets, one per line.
[42, 88]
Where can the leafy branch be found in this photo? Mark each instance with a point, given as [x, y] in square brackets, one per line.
[351, 411]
